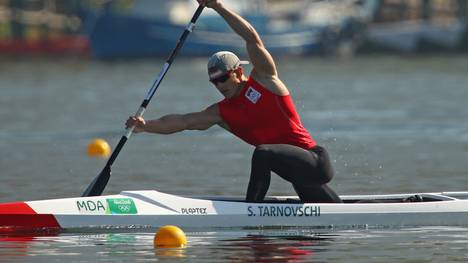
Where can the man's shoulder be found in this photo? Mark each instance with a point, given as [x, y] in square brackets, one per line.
[213, 112]
[213, 108]
[270, 82]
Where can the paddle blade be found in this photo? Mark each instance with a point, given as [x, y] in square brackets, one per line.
[99, 183]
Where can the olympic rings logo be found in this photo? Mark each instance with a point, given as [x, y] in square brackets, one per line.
[124, 208]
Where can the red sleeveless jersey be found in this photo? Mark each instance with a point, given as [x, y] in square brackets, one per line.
[258, 116]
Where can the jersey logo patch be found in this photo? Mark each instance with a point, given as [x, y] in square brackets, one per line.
[252, 95]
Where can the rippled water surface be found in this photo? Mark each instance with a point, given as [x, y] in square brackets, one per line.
[435, 244]
[391, 124]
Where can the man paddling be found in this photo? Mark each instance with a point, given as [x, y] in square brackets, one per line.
[259, 110]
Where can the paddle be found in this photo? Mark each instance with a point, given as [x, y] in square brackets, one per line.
[99, 183]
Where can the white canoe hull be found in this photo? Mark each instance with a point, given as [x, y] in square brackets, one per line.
[142, 209]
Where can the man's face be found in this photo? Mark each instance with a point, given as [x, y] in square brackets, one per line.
[227, 83]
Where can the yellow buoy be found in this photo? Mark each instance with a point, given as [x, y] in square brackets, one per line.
[99, 148]
[170, 237]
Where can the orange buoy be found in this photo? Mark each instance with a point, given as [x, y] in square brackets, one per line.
[99, 148]
[170, 237]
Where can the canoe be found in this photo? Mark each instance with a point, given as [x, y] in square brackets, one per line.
[152, 209]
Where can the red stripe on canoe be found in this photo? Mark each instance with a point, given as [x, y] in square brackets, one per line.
[16, 208]
[21, 215]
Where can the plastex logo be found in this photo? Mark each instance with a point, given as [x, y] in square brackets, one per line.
[252, 95]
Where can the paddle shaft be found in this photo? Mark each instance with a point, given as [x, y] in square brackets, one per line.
[99, 183]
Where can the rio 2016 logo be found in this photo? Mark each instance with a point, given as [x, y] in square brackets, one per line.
[121, 206]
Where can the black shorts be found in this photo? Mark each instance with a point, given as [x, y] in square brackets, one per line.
[307, 170]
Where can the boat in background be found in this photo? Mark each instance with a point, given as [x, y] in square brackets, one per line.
[152, 209]
[41, 27]
[409, 27]
[60, 45]
[150, 28]
[412, 36]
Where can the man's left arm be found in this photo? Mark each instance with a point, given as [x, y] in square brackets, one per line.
[263, 62]
[264, 70]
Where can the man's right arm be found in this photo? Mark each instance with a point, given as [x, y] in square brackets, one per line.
[173, 123]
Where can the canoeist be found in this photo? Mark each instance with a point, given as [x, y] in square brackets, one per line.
[259, 110]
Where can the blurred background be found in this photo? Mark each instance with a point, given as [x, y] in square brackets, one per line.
[382, 84]
[141, 28]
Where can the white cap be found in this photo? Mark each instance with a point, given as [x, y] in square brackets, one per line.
[222, 62]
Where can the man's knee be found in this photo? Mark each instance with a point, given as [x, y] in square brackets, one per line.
[316, 193]
[261, 152]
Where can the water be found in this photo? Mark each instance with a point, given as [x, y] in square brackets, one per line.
[420, 245]
[391, 124]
